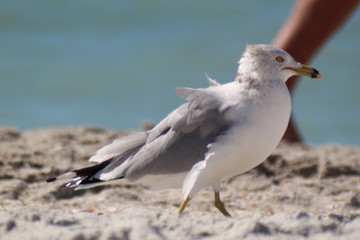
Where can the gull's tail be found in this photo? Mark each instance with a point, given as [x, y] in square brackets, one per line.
[115, 153]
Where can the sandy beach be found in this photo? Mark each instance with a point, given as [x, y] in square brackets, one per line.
[299, 192]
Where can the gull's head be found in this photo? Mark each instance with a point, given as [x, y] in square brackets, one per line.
[269, 62]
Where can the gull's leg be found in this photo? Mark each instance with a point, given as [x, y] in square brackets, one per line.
[220, 205]
[183, 205]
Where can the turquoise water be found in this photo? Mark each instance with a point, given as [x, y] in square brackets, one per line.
[115, 64]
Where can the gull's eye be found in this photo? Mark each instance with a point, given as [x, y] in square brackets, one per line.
[279, 59]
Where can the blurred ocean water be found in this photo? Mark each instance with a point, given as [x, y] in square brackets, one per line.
[115, 64]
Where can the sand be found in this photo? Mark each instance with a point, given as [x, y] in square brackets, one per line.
[299, 192]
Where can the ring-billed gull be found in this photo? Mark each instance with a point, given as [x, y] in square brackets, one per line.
[221, 131]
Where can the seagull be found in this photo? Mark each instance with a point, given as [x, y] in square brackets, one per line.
[221, 131]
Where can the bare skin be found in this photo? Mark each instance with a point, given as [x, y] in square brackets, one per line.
[307, 29]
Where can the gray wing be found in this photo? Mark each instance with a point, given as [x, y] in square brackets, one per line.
[177, 142]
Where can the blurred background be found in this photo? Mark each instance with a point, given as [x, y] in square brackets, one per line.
[115, 64]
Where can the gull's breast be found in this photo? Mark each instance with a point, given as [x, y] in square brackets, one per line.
[250, 141]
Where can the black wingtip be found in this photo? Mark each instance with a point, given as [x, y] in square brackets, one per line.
[80, 176]
[81, 183]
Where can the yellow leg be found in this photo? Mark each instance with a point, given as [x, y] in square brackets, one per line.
[220, 205]
[183, 205]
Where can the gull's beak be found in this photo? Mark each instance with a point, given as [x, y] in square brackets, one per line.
[306, 71]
